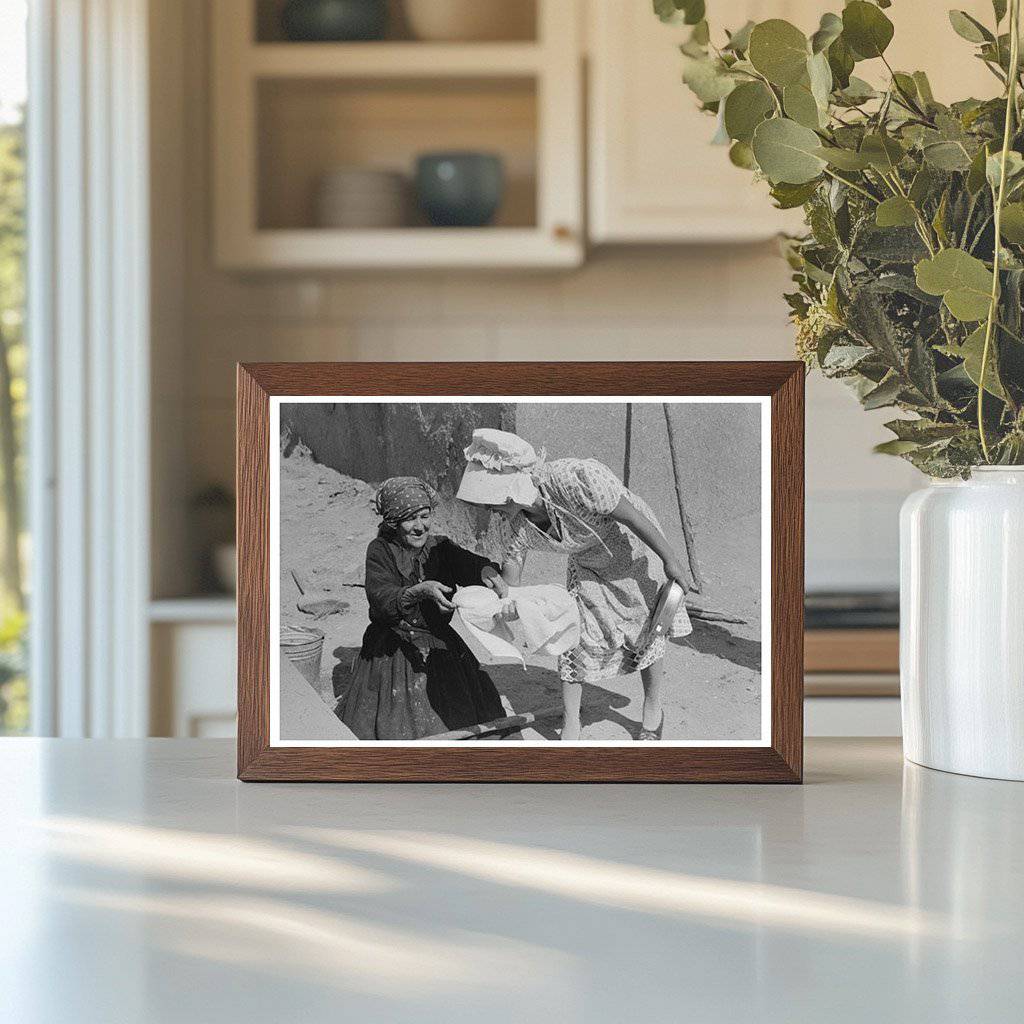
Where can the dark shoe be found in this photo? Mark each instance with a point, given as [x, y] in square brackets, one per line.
[652, 734]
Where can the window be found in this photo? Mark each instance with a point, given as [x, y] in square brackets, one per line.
[14, 692]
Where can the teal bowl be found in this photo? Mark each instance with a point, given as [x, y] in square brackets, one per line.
[460, 189]
[334, 21]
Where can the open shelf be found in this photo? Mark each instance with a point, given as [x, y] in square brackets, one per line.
[388, 60]
[309, 127]
[519, 22]
[206, 608]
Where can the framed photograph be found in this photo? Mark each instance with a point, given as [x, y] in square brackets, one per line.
[514, 572]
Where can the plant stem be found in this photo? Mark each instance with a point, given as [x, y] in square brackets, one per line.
[1011, 108]
[853, 185]
[775, 98]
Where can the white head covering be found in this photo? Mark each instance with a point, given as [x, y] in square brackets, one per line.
[499, 469]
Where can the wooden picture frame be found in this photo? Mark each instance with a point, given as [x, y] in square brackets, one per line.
[779, 759]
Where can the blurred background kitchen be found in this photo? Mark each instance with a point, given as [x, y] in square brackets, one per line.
[406, 180]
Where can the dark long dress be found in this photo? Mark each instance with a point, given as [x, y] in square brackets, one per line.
[414, 676]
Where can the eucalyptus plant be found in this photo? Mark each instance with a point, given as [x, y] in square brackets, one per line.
[910, 277]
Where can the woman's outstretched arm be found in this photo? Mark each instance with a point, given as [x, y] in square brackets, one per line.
[625, 512]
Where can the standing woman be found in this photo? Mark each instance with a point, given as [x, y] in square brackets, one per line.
[415, 676]
[580, 508]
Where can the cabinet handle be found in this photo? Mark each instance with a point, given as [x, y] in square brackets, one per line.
[562, 232]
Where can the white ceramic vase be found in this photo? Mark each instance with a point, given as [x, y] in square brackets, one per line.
[962, 624]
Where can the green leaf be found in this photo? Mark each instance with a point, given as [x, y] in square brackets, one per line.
[693, 10]
[923, 431]
[779, 51]
[895, 212]
[999, 9]
[840, 61]
[745, 108]
[842, 358]
[924, 88]
[819, 74]
[701, 34]
[707, 78]
[665, 10]
[993, 167]
[971, 352]
[1012, 224]
[801, 106]
[741, 155]
[885, 394]
[889, 245]
[905, 84]
[866, 29]
[895, 447]
[976, 174]
[829, 30]
[844, 159]
[689, 12]
[787, 151]
[882, 151]
[739, 41]
[947, 156]
[963, 281]
[721, 136]
[857, 91]
[788, 197]
[969, 28]
[939, 220]
[922, 185]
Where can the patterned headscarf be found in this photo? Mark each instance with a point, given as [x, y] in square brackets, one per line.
[402, 497]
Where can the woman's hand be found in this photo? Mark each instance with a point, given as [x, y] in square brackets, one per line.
[492, 578]
[433, 591]
[674, 571]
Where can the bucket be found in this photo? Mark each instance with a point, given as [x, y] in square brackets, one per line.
[303, 646]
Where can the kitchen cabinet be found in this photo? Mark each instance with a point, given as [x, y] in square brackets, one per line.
[287, 114]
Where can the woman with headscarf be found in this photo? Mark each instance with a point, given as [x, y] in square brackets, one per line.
[414, 676]
[580, 508]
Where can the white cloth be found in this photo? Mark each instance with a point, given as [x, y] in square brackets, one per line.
[546, 622]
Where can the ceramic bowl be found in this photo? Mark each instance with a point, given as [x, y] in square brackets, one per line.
[470, 20]
[359, 197]
[332, 21]
[460, 189]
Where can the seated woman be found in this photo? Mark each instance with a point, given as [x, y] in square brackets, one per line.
[414, 676]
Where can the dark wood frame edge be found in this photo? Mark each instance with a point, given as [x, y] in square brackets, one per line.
[780, 762]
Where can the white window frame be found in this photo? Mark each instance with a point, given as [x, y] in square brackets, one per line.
[88, 332]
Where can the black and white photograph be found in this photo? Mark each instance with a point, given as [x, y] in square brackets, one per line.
[515, 570]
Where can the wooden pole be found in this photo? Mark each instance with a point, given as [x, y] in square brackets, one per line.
[684, 519]
[627, 456]
[511, 723]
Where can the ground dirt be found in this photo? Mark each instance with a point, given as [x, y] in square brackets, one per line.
[713, 676]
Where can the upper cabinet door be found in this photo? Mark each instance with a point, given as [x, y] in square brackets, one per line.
[654, 176]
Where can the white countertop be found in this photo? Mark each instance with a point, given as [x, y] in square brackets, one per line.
[140, 882]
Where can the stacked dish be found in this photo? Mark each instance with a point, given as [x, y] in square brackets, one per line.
[470, 20]
[362, 197]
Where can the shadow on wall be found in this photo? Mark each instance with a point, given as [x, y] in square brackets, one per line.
[374, 440]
